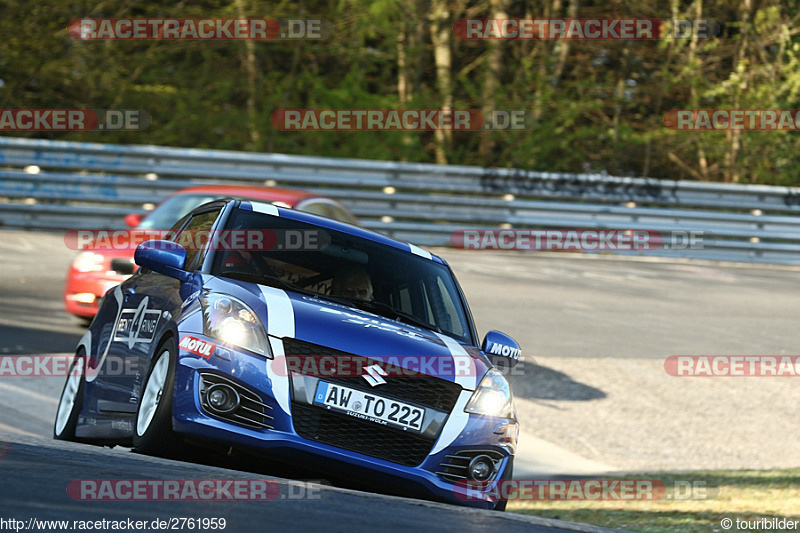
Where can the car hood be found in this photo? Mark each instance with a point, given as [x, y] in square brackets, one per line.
[392, 342]
[316, 321]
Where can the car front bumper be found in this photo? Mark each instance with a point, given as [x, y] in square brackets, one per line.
[248, 370]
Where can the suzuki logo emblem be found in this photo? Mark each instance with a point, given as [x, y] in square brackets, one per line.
[373, 375]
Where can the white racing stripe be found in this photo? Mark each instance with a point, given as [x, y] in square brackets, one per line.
[463, 363]
[90, 376]
[455, 424]
[278, 374]
[262, 207]
[419, 251]
[465, 371]
[86, 343]
[280, 313]
[280, 323]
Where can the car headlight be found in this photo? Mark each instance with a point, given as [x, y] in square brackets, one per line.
[88, 262]
[492, 397]
[231, 321]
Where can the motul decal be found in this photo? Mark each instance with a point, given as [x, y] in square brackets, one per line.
[196, 346]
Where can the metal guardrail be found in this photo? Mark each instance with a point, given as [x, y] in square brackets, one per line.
[90, 185]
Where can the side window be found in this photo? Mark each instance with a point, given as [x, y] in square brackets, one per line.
[455, 325]
[175, 230]
[441, 308]
[195, 236]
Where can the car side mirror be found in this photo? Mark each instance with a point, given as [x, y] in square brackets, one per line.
[501, 349]
[164, 257]
[133, 219]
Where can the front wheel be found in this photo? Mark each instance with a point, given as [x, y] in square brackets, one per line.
[508, 473]
[152, 426]
[71, 403]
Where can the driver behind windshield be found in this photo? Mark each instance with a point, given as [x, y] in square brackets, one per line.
[352, 283]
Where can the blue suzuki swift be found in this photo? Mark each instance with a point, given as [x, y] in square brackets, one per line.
[305, 339]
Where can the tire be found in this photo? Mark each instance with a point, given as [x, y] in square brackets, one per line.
[508, 473]
[71, 402]
[152, 425]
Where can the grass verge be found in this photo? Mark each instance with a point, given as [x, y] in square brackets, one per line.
[716, 494]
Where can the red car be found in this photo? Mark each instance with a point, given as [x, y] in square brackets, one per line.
[94, 271]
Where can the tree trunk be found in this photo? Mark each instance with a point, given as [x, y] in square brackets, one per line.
[252, 72]
[563, 51]
[702, 160]
[440, 37]
[494, 60]
[733, 136]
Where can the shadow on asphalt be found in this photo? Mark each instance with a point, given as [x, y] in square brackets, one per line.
[15, 340]
[535, 382]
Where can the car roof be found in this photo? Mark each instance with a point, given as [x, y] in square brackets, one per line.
[291, 197]
[356, 231]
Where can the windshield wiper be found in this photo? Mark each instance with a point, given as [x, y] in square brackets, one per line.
[386, 310]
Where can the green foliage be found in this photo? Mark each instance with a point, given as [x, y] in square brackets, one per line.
[598, 105]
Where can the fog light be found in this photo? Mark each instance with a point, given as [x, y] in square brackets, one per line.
[481, 468]
[222, 398]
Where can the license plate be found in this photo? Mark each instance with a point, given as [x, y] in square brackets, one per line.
[369, 406]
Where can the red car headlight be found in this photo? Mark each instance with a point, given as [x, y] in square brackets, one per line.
[89, 262]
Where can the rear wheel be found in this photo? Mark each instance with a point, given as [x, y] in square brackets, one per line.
[71, 403]
[152, 426]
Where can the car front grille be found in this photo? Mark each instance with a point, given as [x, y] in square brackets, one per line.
[420, 389]
[360, 436]
[252, 411]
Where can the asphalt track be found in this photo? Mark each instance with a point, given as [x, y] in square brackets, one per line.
[522, 294]
[36, 472]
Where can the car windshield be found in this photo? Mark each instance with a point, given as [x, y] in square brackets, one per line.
[347, 269]
[173, 209]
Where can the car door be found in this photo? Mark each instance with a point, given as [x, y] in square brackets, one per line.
[149, 302]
